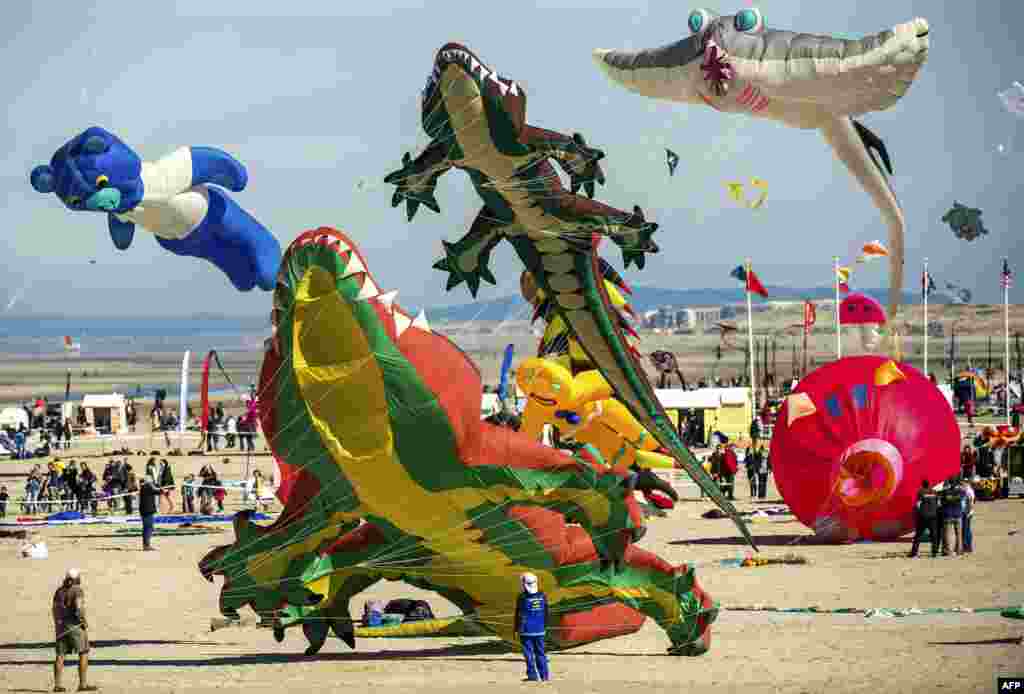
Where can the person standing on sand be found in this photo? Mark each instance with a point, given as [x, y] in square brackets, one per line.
[531, 619]
[166, 484]
[729, 467]
[952, 513]
[926, 518]
[968, 461]
[131, 487]
[754, 457]
[72, 630]
[969, 498]
[716, 463]
[148, 495]
[969, 411]
[188, 494]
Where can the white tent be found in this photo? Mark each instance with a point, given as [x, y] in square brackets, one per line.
[13, 416]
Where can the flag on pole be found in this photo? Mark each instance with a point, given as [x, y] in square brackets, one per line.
[750, 279]
[843, 274]
[927, 284]
[1006, 280]
[810, 314]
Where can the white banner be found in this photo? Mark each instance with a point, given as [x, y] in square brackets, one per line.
[183, 405]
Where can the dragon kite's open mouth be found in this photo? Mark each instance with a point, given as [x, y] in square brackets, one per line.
[546, 402]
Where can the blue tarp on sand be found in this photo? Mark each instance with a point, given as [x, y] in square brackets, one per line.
[76, 518]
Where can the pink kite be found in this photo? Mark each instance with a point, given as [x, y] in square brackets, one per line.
[853, 443]
[858, 309]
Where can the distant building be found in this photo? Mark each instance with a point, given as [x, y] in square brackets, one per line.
[701, 317]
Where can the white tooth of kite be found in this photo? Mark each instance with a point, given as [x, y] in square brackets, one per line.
[513, 89]
[474, 64]
[502, 88]
[421, 321]
[355, 265]
[402, 323]
[368, 291]
[388, 299]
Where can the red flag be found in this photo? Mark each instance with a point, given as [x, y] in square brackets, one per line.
[754, 285]
[810, 314]
[204, 417]
[844, 288]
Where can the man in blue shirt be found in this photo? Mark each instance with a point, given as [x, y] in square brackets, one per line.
[531, 627]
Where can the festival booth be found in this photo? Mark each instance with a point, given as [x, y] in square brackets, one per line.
[105, 414]
[1000, 466]
[727, 410]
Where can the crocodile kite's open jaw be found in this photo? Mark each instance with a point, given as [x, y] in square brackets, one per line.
[467, 66]
[736, 64]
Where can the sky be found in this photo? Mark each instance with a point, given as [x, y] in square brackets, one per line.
[321, 99]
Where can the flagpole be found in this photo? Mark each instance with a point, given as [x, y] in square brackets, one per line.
[750, 343]
[839, 333]
[1006, 327]
[925, 281]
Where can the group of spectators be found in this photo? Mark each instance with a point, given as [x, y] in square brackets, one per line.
[724, 463]
[946, 515]
[240, 431]
[120, 485]
[60, 487]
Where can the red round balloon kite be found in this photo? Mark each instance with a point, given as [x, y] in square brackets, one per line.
[853, 443]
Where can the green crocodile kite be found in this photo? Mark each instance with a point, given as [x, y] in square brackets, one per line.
[476, 121]
[389, 473]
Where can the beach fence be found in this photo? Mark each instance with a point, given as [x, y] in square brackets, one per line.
[238, 495]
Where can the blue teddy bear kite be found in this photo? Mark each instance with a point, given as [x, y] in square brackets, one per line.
[97, 172]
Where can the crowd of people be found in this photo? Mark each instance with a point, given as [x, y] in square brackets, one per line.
[74, 486]
[724, 464]
[946, 516]
[240, 431]
[61, 487]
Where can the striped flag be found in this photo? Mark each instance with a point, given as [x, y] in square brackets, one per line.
[927, 284]
[1007, 277]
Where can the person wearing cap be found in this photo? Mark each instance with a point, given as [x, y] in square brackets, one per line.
[71, 627]
[531, 627]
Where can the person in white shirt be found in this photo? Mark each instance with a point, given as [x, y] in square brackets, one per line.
[232, 431]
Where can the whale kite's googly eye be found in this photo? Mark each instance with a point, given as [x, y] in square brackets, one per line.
[102, 182]
[749, 21]
[699, 21]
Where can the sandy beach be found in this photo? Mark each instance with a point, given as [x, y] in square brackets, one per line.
[150, 615]
[151, 612]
